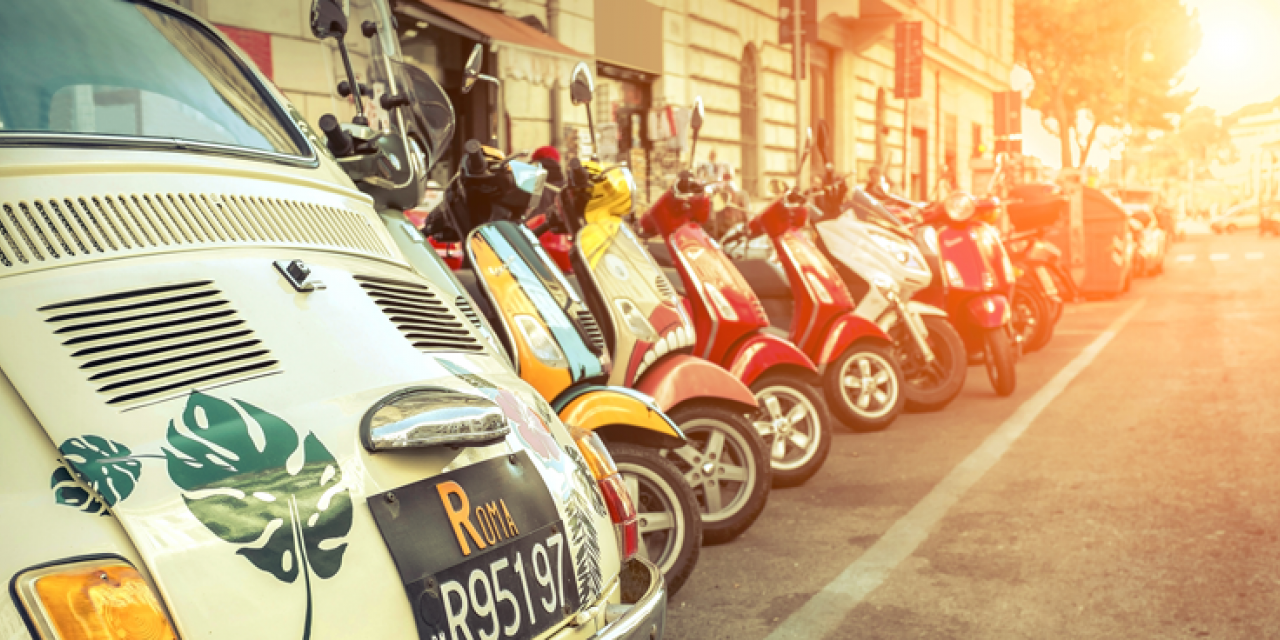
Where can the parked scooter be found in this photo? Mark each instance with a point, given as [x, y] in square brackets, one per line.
[650, 336]
[734, 332]
[862, 381]
[556, 345]
[1037, 304]
[981, 284]
[886, 267]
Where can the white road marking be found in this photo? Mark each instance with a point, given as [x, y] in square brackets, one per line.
[1253, 256]
[1186, 257]
[1219, 257]
[825, 612]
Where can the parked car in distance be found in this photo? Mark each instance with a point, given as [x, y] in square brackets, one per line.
[1240, 217]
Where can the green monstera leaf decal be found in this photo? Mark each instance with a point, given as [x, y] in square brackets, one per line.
[249, 482]
[104, 465]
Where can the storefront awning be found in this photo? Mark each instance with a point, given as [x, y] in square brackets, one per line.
[490, 26]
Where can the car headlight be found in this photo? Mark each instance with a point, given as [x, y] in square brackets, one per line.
[544, 347]
[959, 206]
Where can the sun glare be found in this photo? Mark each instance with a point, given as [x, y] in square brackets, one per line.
[1237, 61]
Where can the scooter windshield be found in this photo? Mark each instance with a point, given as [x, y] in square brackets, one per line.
[868, 209]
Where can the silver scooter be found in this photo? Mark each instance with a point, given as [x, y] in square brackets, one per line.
[882, 263]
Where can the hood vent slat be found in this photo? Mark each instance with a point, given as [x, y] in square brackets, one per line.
[421, 315]
[38, 231]
[145, 345]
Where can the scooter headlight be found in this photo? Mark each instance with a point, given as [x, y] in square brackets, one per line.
[959, 206]
[544, 347]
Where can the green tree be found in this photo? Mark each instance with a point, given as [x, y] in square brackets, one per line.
[1075, 51]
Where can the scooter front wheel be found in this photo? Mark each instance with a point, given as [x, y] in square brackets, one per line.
[726, 463]
[1000, 361]
[1032, 318]
[932, 386]
[670, 525]
[865, 387]
[793, 421]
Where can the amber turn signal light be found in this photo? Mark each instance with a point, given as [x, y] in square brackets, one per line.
[94, 600]
[621, 510]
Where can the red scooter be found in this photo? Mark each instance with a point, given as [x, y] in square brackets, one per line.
[734, 332]
[861, 379]
[980, 284]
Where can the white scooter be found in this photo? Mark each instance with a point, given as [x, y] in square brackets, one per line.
[883, 265]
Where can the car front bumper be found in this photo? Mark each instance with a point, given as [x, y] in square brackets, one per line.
[643, 612]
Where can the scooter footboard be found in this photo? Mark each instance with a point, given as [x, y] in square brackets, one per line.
[989, 311]
[762, 351]
[610, 409]
[680, 377]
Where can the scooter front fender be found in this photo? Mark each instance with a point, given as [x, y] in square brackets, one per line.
[760, 352]
[846, 330]
[680, 377]
[989, 311]
[610, 409]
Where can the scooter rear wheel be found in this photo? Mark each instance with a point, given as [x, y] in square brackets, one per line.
[794, 423]
[670, 525]
[1000, 361]
[726, 463]
[1032, 318]
[932, 387]
[865, 387]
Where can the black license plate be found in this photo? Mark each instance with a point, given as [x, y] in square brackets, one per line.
[481, 551]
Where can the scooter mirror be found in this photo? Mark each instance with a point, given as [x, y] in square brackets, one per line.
[823, 140]
[581, 86]
[471, 72]
[329, 18]
[697, 114]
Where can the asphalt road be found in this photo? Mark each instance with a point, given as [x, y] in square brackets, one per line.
[1138, 499]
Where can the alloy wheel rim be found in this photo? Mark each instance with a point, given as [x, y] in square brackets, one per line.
[868, 386]
[718, 465]
[659, 515]
[789, 424]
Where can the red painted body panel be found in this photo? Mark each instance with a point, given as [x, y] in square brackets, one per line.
[677, 378]
[450, 252]
[846, 330]
[820, 295]
[707, 272]
[760, 352]
[557, 245]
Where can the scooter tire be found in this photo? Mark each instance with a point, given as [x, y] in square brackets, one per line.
[949, 349]
[1000, 361]
[1038, 305]
[658, 488]
[814, 429]
[715, 426]
[872, 361]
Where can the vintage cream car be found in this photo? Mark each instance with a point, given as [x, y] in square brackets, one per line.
[228, 406]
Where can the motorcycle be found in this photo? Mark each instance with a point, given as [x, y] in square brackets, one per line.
[733, 329]
[650, 336]
[556, 345]
[862, 381]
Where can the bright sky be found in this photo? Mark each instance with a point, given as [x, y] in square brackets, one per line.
[1238, 64]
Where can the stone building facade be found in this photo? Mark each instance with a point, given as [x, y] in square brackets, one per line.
[651, 58]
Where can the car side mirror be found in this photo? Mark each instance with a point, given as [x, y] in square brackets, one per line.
[471, 72]
[329, 18]
[581, 85]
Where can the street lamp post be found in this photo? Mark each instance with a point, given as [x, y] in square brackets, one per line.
[1124, 155]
